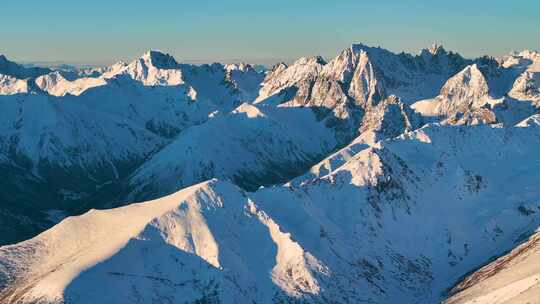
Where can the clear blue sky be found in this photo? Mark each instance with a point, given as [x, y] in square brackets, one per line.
[102, 31]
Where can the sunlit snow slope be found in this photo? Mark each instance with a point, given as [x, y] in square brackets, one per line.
[401, 222]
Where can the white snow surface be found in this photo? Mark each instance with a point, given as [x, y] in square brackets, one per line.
[207, 240]
[511, 279]
[382, 210]
[398, 222]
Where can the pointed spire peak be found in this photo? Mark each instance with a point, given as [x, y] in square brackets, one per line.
[243, 67]
[469, 73]
[473, 68]
[436, 49]
[529, 54]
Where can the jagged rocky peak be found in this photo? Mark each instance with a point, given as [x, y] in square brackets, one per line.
[465, 100]
[437, 60]
[301, 73]
[436, 49]
[48, 80]
[152, 68]
[365, 86]
[10, 85]
[389, 118]
[466, 90]
[354, 69]
[530, 54]
[159, 60]
[526, 60]
[526, 87]
[342, 67]
[354, 60]
[243, 67]
[470, 76]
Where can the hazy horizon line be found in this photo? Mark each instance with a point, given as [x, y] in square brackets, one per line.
[253, 61]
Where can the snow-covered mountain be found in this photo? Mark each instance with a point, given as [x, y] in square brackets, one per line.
[65, 140]
[369, 177]
[258, 129]
[488, 91]
[12, 85]
[261, 146]
[400, 222]
[264, 145]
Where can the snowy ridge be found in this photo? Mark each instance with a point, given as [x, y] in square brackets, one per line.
[184, 229]
[375, 177]
[301, 114]
[56, 85]
[313, 243]
[262, 146]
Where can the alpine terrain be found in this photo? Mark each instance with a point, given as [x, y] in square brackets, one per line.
[371, 177]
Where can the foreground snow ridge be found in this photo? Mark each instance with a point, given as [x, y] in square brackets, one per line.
[401, 221]
[185, 240]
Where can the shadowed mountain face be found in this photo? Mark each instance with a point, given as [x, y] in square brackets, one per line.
[357, 157]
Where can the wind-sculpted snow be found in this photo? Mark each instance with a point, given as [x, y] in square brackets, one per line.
[398, 222]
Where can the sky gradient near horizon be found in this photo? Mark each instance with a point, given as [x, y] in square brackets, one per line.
[104, 31]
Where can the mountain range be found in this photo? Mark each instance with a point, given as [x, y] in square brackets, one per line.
[372, 177]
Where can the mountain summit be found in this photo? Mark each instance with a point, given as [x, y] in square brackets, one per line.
[305, 183]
